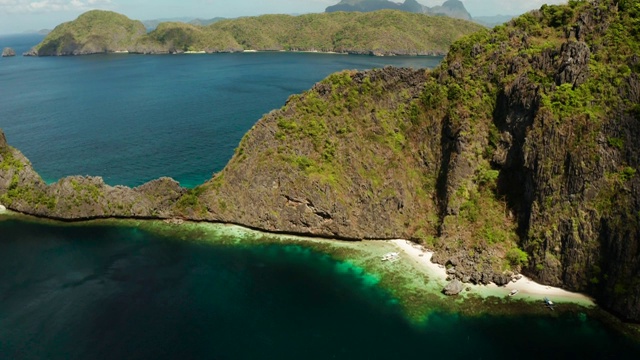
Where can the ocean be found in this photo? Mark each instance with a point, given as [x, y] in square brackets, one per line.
[121, 292]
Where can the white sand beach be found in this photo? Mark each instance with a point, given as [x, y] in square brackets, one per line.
[527, 288]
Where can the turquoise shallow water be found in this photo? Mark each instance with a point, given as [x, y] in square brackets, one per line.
[96, 292]
[134, 118]
[116, 292]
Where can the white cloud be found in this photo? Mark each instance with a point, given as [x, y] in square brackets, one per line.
[30, 6]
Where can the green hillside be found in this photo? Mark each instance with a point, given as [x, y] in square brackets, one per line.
[95, 31]
[383, 32]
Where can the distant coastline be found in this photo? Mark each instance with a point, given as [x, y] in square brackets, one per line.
[97, 32]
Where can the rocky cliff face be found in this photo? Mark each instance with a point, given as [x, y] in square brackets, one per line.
[520, 152]
[93, 32]
[450, 8]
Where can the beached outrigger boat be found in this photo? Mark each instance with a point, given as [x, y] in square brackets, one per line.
[549, 303]
[391, 257]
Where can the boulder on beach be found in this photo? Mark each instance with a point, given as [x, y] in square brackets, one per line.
[2, 209]
[453, 288]
[7, 52]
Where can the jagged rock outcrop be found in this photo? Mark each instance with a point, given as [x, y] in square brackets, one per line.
[8, 52]
[450, 8]
[454, 287]
[3, 141]
[96, 31]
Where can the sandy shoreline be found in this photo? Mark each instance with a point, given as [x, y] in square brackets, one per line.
[527, 288]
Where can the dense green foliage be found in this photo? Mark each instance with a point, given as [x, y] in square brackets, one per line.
[92, 32]
[379, 32]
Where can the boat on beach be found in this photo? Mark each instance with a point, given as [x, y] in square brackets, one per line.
[548, 303]
[391, 257]
[513, 292]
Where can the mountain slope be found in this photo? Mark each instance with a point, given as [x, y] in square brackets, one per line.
[450, 8]
[93, 32]
[385, 32]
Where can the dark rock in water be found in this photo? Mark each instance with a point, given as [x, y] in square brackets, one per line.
[31, 52]
[8, 52]
[487, 278]
[501, 279]
[453, 288]
[475, 278]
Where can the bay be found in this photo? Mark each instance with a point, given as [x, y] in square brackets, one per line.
[134, 118]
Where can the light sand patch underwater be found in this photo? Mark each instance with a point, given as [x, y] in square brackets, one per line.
[412, 280]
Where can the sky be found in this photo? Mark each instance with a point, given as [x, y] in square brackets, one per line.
[18, 16]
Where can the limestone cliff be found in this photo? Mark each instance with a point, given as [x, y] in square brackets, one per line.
[526, 138]
[450, 8]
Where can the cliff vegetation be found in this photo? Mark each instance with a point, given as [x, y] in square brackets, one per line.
[93, 32]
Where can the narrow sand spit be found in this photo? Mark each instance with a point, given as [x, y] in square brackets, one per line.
[527, 288]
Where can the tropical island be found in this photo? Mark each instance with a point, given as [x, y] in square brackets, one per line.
[450, 8]
[386, 32]
[519, 153]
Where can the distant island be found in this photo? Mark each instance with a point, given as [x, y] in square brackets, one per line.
[450, 8]
[520, 152]
[384, 32]
[151, 25]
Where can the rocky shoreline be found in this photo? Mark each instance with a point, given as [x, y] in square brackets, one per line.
[381, 53]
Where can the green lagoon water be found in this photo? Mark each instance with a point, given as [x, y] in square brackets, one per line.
[119, 292]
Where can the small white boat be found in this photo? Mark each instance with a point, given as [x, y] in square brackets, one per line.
[513, 292]
[391, 257]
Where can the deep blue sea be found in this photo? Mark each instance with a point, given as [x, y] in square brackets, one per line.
[134, 118]
[117, 292]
